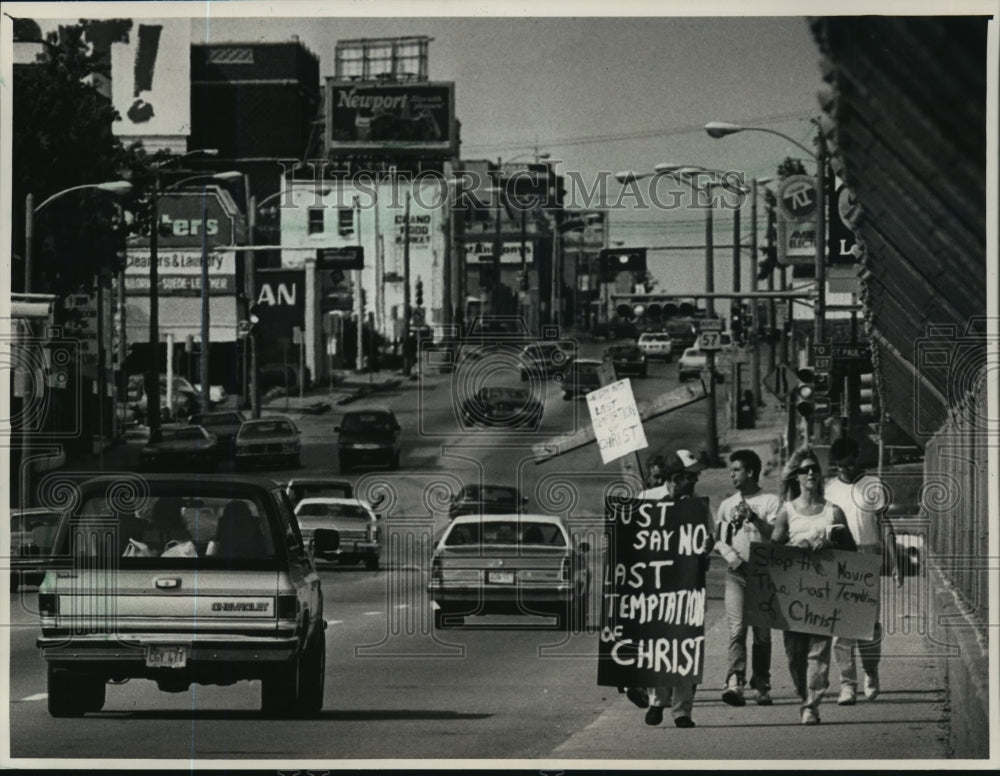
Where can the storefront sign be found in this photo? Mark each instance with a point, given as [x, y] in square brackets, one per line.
[653, 605]
[179, 272]
[829, 592]
[510, 251]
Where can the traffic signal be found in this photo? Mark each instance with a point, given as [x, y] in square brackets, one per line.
[735, 321]
[615, 261]
[866, 396]
[253, 316]
[420, 293]
[805, 393]
[522, 278]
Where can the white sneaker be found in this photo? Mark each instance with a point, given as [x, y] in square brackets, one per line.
[810, 717]
[871, 686]
[847, 696]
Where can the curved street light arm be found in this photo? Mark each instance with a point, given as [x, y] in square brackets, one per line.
[115, 187]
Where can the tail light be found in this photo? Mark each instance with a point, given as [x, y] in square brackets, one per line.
[47, 604]
[288, 607]
[436, 574]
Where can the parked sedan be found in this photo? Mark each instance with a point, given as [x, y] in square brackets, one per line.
[272, 440]
[501, 406]
[508, 564]
[180, 448]
[627, 360]
[359, 529]
[475, 499]
[224, 425]
[582, 377]
[31, 534]
[368, 436]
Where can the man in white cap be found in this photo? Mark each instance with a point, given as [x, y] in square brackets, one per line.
[682, 471]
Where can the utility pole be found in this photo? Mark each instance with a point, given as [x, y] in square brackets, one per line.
[206, 335]
[820, 310]
[712, 449]
[406, 287]
[497, 245]
[358, 304]
[755, 334]
[153, 367]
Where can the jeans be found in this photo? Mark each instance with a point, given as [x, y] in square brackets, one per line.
[760, 656]
[680, 698]
[870, 651]
[809, 665]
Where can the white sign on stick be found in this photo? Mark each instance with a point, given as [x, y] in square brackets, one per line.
[617, 425]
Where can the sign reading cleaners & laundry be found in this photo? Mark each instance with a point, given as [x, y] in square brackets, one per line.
[179, 272]
[653, 606]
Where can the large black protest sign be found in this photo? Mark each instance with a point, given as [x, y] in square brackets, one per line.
[653, 606]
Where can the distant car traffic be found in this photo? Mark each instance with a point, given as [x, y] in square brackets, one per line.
[316, 487]
[209, 579]
[582, 377]
[368, 436]
[683, 333]
[693, 362]
[268, 441]
[657, 344]
[502, 406]
[180, 448]
[358, 526]
[31, 534]
[476, 499]
[508, 564]
[545, 359]
[224, 425]
[628, 360]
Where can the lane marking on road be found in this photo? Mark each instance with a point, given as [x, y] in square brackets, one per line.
[334, 622]
[402, 606]
[41, 696]
[371, 614]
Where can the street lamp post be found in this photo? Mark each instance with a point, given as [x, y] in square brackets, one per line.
[718, 129]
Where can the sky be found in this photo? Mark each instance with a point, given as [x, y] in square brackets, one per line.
[599, 94]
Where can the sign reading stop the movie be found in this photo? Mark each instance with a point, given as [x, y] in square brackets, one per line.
[653, 606]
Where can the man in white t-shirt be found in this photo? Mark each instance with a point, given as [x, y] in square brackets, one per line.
[745, 517]
[863, 499]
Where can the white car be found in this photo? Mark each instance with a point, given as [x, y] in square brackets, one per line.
[656, 344]
[693, 362]
[359, 528]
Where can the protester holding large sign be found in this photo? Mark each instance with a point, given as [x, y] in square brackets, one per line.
[864, 501]
[653, 609]
[808, 521]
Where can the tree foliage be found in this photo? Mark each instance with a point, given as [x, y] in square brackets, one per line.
[62, 137]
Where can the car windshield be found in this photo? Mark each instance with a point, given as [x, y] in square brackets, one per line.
[655, 338]
[301, 490]
[320, 509]
[505, 533]
[366, 421]
[190, 531]
[266, 428]
[504, 394]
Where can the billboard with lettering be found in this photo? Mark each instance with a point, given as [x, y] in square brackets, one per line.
[393, 116]
[179, 272]
[151, 79]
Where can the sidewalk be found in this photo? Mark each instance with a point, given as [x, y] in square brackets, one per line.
[908, 720]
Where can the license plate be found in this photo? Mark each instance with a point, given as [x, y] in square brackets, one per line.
[166, 657]
[502, 577]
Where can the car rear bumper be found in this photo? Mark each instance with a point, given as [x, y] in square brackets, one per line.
[130, 649]
[501, 598]
[350, 549]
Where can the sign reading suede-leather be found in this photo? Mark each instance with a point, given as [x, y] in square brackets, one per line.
[653, 604]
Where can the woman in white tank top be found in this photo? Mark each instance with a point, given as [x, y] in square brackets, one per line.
[809, 521]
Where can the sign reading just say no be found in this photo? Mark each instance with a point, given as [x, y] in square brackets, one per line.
[653, 605]
[827, 592]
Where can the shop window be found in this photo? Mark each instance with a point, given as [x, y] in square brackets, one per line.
[345, 222]
[316, 220]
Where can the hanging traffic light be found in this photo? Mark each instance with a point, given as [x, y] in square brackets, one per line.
[805, 393]
[866, 396]
[420, 293]
[735, 321]
[612, 262]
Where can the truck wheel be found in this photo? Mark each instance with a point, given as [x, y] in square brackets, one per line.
[313, 677]
[68, 696]
[279, 690]
[372, 563]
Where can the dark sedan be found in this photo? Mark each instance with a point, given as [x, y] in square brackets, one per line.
[627, 360]
[477, 499]
[224, 425]
[180, 448]
[31, 533]
[501, 406]
[368, 436]
[583, 377]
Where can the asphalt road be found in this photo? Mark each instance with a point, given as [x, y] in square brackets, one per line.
[500, 687]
